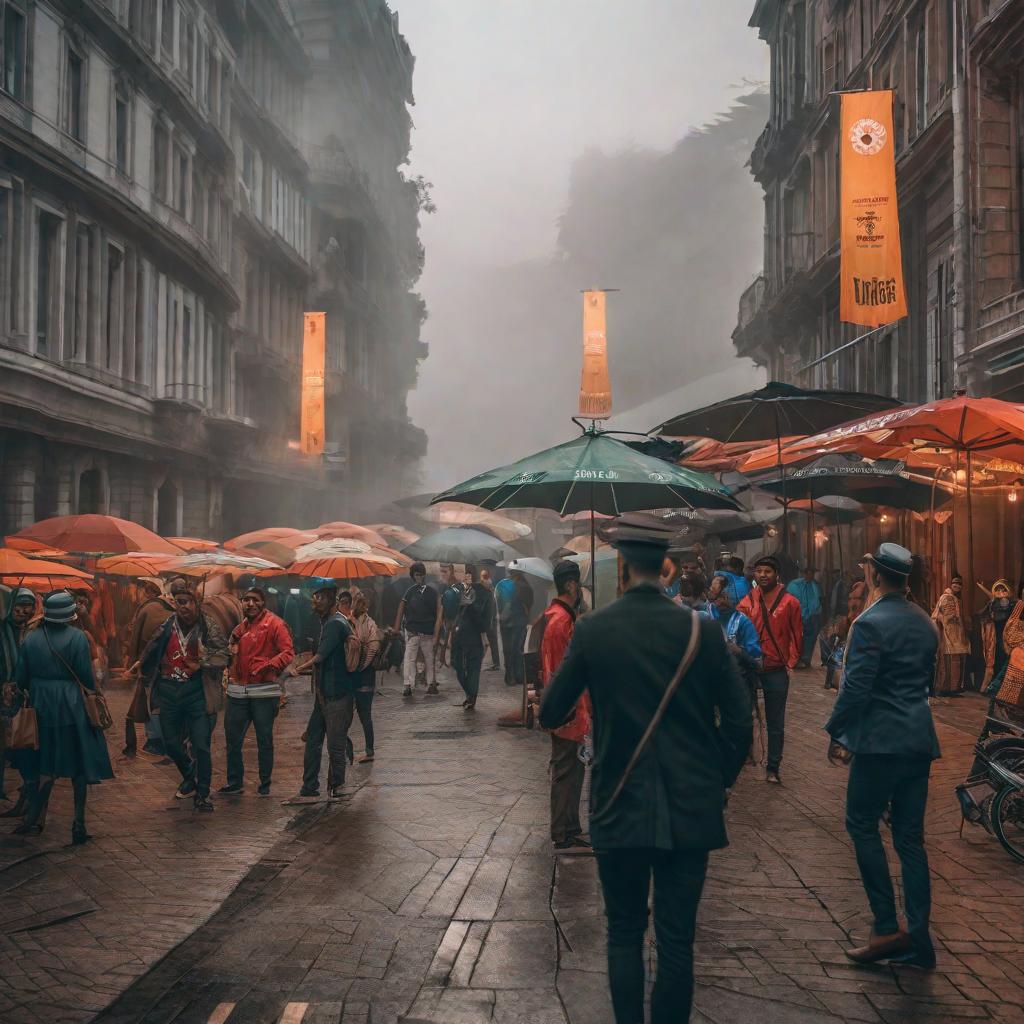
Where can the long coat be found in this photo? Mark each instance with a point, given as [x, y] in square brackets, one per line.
[68, 745]
[882, 707]
[213, 657]
[625, 655]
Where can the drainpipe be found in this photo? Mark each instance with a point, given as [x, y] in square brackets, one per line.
[961, 209]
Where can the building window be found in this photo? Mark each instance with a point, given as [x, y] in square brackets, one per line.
[167, 13]
[188, 373]
[182, 180]
[114, 307]
[14, 52]
[187, 56]
[161, 159]
[74, 94]
[80, 283]
[48, 280]
[122, 109]
[142, 21]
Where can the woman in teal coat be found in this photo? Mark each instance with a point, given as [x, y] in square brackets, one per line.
[69, 747]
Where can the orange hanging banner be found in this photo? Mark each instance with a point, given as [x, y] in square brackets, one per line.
[595, 385]
[313, 354]
[871, 260]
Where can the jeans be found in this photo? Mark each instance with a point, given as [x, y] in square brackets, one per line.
[467, 662]
[416, 642]
[678, 883]
[364, 709]
[240, 711]
[900, 783]
[775, 685]
[513, 639]
[329, 720]
[567, 774]
[183, 713]
[812, 627]
[492, 642]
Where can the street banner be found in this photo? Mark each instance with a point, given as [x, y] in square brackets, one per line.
[313, 354]
[871, 260]
[596, 385]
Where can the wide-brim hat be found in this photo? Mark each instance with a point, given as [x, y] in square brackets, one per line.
[60, 608]
[892, 558]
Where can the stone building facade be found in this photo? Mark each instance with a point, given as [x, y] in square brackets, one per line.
[957, 68]
[159, 240]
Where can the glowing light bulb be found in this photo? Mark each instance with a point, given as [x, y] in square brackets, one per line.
[1012, 496]
[883, 518]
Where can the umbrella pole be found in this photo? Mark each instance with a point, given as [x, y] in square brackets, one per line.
[839, 541]
[970, 538]
[593, 551]
[931, 535]
[782, 468]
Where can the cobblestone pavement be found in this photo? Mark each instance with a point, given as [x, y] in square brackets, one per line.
[429, 895]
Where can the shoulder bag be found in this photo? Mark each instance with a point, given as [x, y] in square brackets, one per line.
[24, 728]
[692, 649]
[96, 709]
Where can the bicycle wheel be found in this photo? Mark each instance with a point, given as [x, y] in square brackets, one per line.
[1007, 751]
[1008, 820]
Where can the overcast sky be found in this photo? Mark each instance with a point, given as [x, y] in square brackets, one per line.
[508, 94]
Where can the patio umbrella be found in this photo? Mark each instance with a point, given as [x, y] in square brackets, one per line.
[453, 513]
[193, 544]
[96, 534]
[33, 547]
[459, 544]
[351, 531]
[396, 536]
[341, 559]
[135, 564]
[881, 482]
[210, 563]
[540, 568]
[272, 534]
[17, 567]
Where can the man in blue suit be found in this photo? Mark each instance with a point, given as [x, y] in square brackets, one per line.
[882, 726]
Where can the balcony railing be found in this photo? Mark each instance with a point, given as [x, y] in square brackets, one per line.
[799, 252]
[751, 301]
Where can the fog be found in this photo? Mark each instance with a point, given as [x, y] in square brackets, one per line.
[563, 142]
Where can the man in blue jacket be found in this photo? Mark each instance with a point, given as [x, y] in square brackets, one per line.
[881, 720]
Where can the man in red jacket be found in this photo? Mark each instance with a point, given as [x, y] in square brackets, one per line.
[780, 628]
[261, 649]
[567, 770]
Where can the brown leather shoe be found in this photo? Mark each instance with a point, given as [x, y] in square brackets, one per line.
[880, 946]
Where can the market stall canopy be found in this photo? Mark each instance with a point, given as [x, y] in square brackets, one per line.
[593, 471]
[191, 545]
[212, 563]
[879, 482]
[775, 411]
[286, 535]
[459, 544]
[17, 569]
[96, 534]
[33, 547]
[135, 564]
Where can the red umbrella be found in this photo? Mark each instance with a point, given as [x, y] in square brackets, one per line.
[194, 544]
[351, 531]
[17, 569]
[96, 534]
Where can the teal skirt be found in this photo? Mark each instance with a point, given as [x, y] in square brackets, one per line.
[68, 745]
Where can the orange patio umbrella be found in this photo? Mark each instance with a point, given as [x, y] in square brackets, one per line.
[341, 559]
[19, 570]
[35, 548]
[96, 534]
[351, 531]
[194, 544]
[141, 563]
[214, 562]
[395, 535]
[287, 535]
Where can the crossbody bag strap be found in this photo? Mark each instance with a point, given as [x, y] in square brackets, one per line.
[692, 648]
[60, 657]
[767, 614]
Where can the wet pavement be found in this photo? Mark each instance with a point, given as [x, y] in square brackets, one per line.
[429, 894]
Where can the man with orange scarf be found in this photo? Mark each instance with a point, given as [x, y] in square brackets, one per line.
[567, 770]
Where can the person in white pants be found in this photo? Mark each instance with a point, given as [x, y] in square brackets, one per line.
[420, 612]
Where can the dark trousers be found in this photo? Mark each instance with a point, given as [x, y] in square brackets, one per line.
[812, 627]
[877, 782]
[492, 642]
[567, 774]
[183, 713]
[506, 650]
[329, 720]
[775, 685]
[678, 882]
[364, 709]
[261, 712]
[513, 639]
[467, 662]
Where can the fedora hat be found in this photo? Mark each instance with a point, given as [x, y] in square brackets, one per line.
[892, 558]
[59, 608]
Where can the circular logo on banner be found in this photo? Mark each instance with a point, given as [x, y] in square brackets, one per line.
[867, 136]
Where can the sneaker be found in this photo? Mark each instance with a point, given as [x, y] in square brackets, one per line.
[305, 798]
[335, 792]
[773, 778]
[470, 705]
[921, 960]
[264, 789]
[231, 787]
[202, 803]
[366, 758]
[432, 690]
[156, 749]
[576, 845]
[407, 692]
[186, 789]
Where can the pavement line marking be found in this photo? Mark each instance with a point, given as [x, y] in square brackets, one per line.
[293, 1013]
[221, 1012]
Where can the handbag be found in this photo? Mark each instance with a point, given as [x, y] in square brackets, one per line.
[692, 649]
[24, 729]
[97, 710]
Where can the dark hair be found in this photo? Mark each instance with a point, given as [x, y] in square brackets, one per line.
[256, 590]
[771, 561]
[473, 570]
[737, 564]
[692, 584]
[417, 567]
[890, 578]
[345, 597]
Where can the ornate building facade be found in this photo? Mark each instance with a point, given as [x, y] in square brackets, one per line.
[956, 69]
[159, 240]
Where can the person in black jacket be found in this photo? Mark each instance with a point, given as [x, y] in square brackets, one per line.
[669, 813]
[882, 718]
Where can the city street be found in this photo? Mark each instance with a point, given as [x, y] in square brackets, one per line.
[430, 893]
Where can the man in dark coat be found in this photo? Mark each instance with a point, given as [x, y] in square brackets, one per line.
[882, 718]
[182, 668]
[669, 813]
